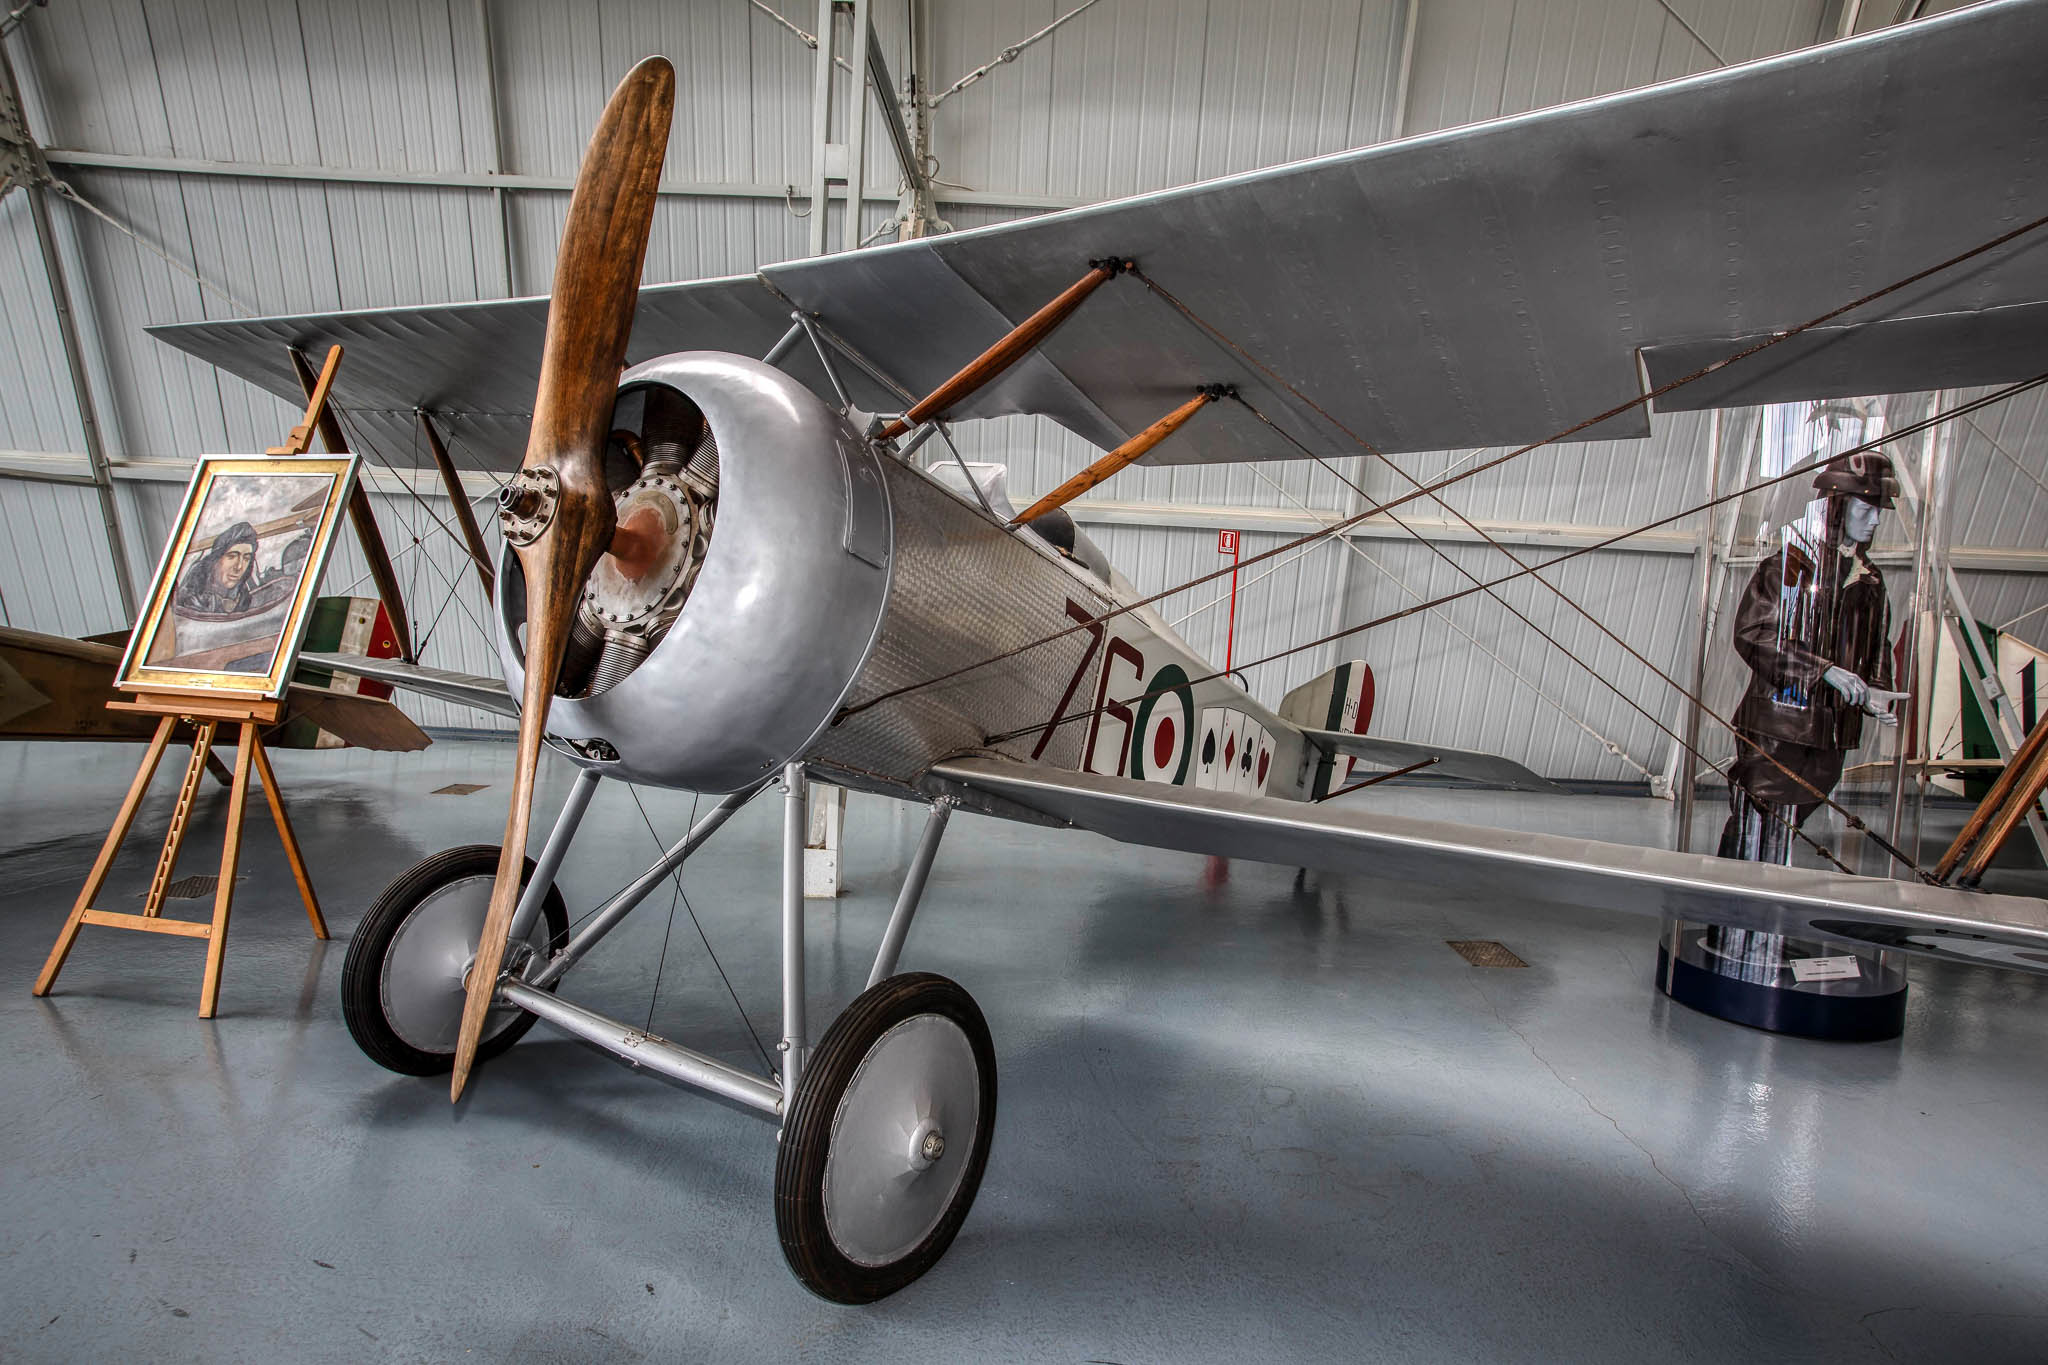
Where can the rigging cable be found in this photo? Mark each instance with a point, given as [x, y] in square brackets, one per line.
[1996, 396]
[1640, 400]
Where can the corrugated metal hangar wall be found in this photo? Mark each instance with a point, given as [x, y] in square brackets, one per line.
[310, 156]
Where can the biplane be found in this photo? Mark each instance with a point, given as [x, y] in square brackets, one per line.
[747, 562]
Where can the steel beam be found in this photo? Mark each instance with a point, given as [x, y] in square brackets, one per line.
[821, 125]
[496, 165]
[857, 127]
[476, 180]
[100, 471]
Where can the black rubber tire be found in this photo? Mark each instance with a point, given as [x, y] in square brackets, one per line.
[362, 1000]
[800, 1164]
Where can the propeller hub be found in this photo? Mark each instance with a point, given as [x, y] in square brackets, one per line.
[527, 503]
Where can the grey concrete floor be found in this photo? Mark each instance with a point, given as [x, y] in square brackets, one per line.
[1244, 1116]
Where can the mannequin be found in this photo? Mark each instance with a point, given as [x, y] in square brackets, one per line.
[1814, 627]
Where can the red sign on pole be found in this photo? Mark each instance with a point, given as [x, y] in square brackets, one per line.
[1226, 544]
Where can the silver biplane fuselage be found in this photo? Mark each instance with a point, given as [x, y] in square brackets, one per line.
[837, 574]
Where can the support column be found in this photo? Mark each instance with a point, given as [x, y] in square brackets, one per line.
[32, 175]
[857, 126]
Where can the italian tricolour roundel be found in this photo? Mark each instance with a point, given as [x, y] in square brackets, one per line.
[1163, 740]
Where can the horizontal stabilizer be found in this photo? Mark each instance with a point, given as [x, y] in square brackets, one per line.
[2005, 931]
[1469, 764]
[464, 689]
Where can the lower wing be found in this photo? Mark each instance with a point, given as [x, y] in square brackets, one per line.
[2007, 931]
[466, 689]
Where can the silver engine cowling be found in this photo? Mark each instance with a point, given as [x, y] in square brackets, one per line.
[725, 648]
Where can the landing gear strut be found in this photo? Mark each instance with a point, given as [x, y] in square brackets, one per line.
[884, 1125]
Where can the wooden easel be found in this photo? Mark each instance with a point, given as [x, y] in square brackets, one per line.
[206, 715]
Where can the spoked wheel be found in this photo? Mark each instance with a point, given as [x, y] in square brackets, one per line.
[883, 1152]
[401, 986]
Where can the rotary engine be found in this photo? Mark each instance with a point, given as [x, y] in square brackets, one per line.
[665, 514]
[743, 589]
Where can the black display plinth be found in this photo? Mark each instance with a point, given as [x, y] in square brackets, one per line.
[1754, 978]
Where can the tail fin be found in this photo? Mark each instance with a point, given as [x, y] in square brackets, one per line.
[1341, 700]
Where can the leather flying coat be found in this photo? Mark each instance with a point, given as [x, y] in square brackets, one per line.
[1797, 618]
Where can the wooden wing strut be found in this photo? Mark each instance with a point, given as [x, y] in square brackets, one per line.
[1130, 450]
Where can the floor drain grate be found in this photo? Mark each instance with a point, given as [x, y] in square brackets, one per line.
[460, 788]
[196, 887]
[1484, 952]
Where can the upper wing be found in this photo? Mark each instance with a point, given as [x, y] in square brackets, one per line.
[1470, 764]
[1490, 284]
[465, 689]
[481, 361]
[2008, 931]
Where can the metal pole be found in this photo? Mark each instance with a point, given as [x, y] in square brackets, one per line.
[74, 350]
[919, 208]
[1684, 772]
[912, 892]
[857, 127]
[496, 165]
[821, 124]
[1931, 447]
[552, 853]
[794, 825]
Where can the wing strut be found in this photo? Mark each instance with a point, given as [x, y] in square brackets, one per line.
[1015, 345]
[1130, 450]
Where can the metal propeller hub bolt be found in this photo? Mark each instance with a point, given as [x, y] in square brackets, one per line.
[934, 1145]
[527, 502]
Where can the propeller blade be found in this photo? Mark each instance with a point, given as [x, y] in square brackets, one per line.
[557, 511]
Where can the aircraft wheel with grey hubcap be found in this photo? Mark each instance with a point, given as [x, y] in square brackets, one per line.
[402, 983]
[883, 1151]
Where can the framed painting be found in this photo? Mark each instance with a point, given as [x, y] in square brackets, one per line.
[230, 599]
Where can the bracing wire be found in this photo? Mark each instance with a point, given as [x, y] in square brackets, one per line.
[675, 876]
[1641, 400]
[1855, 822]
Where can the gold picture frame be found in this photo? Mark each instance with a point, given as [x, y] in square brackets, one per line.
[228, 605]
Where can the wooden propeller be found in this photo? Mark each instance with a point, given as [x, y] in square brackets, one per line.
[557, 510]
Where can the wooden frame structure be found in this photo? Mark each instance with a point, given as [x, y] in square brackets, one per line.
[206, 716]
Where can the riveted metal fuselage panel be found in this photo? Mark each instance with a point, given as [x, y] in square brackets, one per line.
[963, 590]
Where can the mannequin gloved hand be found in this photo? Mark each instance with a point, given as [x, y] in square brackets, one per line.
[1854, 690]
[1878, 704]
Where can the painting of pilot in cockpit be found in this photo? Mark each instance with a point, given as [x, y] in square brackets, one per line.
[230, 597]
